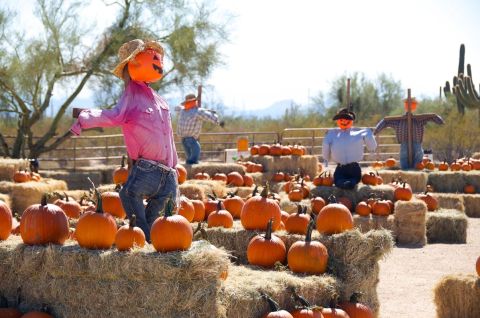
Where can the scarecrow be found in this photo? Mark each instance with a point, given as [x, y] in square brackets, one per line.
[144, 117]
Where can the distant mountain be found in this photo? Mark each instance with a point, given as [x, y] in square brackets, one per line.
[276, 110]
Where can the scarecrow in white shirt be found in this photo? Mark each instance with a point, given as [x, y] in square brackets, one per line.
[344, 145]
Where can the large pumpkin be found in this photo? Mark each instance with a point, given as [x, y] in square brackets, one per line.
[146, 66]
[171, 232]
[334, 218]
[129, 236]
[6, 221]
[120, 174]
[258, 210]
[43, 224]
[266, 250]
[96, 229]
[308, 256]
[8, 312]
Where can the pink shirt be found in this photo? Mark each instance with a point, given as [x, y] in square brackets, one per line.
[145, 120]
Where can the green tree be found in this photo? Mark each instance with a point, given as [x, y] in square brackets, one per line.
[60, 56]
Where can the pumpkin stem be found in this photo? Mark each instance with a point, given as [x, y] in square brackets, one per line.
[99, 197]
[264, 193]
[268, 234]
[274, 306]
[332, 198]
[118, 187]
[308, 236]
[67, 199]
[219, 205]
[133, 221]
[169, 207]
[122, 164]
[255, 191]
[305, 304]
[44, 199]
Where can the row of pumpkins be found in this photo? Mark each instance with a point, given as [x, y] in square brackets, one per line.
[22, 176]
[462, 164]
[278, 149]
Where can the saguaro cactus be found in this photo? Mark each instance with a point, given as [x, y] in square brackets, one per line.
[466, 93]
[460, 73]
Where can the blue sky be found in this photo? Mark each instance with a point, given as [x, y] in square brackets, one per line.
[283, 49]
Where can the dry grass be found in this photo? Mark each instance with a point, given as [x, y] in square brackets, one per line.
[453, 181]
[211, 187]
[450, 201]
[418, 180]
[457, 296]
[9, 166]
[76, 282]
[213, 167]
[472, 205]
[410, 222]
[78, 180]
[446, 226]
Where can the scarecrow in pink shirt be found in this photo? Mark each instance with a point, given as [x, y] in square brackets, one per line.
[144, 117]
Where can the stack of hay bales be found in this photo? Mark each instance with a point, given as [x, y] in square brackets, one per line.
[27, 193]
[453, 181]
[213, 167]
[76, 282]
[450, 201]
[374, 222]
[447, 226]
[418, 180]
[292, 164]
[353, 260]
[200, 189]
[78, 180]
[458, 296]
[410, 222]
[359, 193]
[9, 166]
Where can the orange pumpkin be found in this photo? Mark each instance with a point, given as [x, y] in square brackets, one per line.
[334, 218]
[295, 195]
[369, 178]
[346, 202]
[186, 208]
[171, 232]
[297, 223]
[8, 312]
[264, 150]
[430, 166]
[284, 217]
[390, 162]
[432, 202]
[112, 204]
[71, 207]
[247, 180]
[327, 180]
[469, 189]
[381, 208]
[297, 150]
[220, 218]
[420, 165]
[478, 266]
[6, 221]
[258, 210]
[334, 313]
[266, 250]
[211, 204]
[234, 204]
[220, 177]
[403, 193]
[443, 166]
[455, 166]
[43, 224]
[354, 309]
[129, 236]
[278, 176]
[21, 176]
[96, 229]
[305, 310]
[254, 150]
[181, 173]
[276, 150]
[286, 150]
[275, 311]
[308, 256]
[363, 209]
[201, 176]
[120, 174]
[317, 204]
[146, 66]
[234, 179]
[199, 207]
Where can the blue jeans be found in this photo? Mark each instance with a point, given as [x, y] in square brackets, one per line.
[347, 176]
[192, 150]
[417, 155]
[154, 181]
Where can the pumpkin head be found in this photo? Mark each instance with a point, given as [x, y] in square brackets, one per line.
[96, 229]
[147, 66]
[181, 173]
[6, 221]
[355, 309]
[308, 256]
[258, 210]
[234, 204]
[129, 236]
[220, 218]
[334, 218]
[297, 223]
[275, 311]
[43, 224]
[344, 124]
[120, 174]
[186, 208]
[171, 232]
[266, 250]
[199, 207]
[413, 104]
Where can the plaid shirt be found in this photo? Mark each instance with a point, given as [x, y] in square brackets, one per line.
[190, 121]
[401, 127]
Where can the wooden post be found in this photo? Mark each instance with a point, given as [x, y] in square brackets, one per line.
[409, 129]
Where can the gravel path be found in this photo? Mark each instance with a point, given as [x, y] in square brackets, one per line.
[408, 275]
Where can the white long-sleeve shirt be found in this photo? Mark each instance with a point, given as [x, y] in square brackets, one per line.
[346, 146]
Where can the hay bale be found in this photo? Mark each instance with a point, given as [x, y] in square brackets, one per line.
[457, 296]
[258, 177]
[214, 167]
[192, 191]
[292, 207]
[447, 226]
[410, 222]
[240, 295]
[6, 198]
[265, 161]
[449, 201]
[8, 167]
[27, 193]
[476, 155]
[353, 256]
[384, 222]
[359, 193]
[217, 188]
[291, 164]
[418, 180]
[453, 181]
[76, 282]
[243, 192]
[472, 205]
[77, 180]
[363, 223]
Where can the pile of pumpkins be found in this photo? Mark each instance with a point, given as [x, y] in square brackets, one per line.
[234, 178]
[462, 164]
[22, 176]
[277, 149]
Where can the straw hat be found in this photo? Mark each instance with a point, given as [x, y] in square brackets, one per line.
[344, 113]
[189, 98]
[129, 50]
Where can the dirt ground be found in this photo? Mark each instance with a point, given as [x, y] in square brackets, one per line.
[408, 275]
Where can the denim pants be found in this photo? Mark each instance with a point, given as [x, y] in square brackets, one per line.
[347, 176]
[154, 181]
[417, 155]
[192, 150]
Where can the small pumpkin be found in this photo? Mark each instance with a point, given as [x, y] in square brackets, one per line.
[258, 210]
[432, 202]
[443, 166]
[455, 166]
[211, 204]
[264, 150]
[297, 223]
[327, 179]
[469, 189]
[199, 207]
[181, 173]
[202, 176]
[254, 150]
[369, 178]
[234, 204]
[112, 203]
[21, 176]
[171, 232]
[186, 208]
[247, 180]
[420, 165]
[286, 150]
[390, 162]
[381, 208]
[355, 309]
[334, 218]
[275, 311]
[276, 149]
[295, 195]
[478, 266]
[71, 207]
[317, 204]
[129, 236]
[220, 218]
[278, 176]
[308, 256]
[120, 174]
[220, 177]
[403, 193]
[363, 209]
[266, 250]
[305, 310]
[234, 179]
[6, 221]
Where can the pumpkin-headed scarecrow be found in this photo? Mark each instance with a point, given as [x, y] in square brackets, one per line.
[145, 120]
[344, 145]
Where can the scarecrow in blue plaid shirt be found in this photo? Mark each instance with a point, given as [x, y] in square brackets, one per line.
[190, 120]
